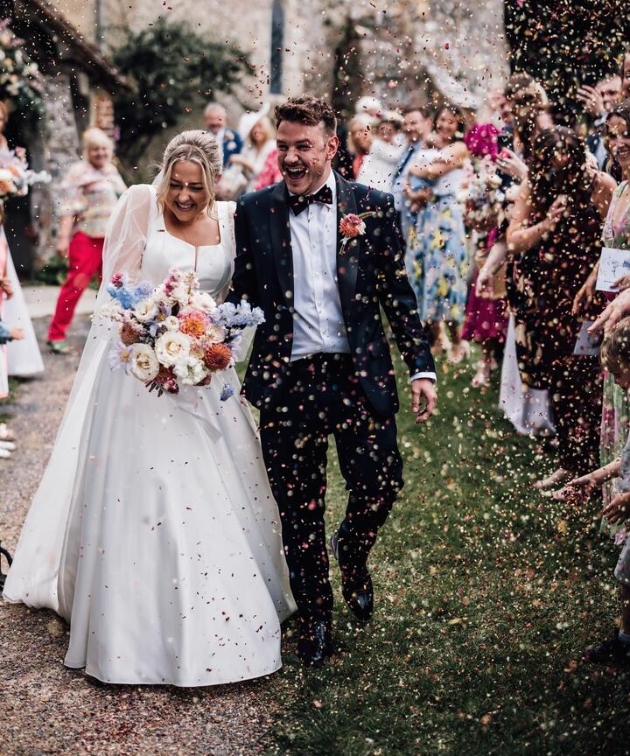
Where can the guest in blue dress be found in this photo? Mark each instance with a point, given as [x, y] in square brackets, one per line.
[437, 243]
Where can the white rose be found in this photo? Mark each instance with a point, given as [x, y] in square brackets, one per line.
[172, 347]
[171, 323]
[144, 363]
[180, 294]
[191, 372]
[201, 300]
[146, 310]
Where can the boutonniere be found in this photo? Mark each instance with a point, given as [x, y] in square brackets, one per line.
[351, 226]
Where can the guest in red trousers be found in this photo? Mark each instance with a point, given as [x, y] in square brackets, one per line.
[90, 190]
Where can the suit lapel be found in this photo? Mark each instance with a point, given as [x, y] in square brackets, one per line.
[348, 255]
[281, 240]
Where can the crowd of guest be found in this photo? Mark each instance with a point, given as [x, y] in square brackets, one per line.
[505, 220]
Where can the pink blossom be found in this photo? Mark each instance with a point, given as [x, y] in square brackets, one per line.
[351, 226]
[118, 280]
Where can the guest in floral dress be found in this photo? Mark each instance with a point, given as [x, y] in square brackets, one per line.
[616, 234]
[437, 242]
[259, 147]
[90, 191]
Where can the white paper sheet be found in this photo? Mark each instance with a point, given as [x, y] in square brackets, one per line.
[613, 265]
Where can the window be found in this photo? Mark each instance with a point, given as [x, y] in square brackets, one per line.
[277, 45]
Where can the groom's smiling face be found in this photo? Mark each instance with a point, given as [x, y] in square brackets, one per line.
[304, 155]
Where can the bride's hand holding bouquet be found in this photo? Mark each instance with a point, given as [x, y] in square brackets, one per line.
[174, 334]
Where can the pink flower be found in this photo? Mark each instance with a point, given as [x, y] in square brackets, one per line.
[118, 280]
[351, 226]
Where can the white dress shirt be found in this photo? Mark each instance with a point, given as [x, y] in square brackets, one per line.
[318, 324]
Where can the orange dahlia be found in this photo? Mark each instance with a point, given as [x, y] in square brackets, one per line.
[193, 324]
[217, 357]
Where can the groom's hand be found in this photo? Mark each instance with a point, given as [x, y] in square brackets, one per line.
[423, 399]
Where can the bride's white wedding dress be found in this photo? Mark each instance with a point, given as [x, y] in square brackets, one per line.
[154, 532]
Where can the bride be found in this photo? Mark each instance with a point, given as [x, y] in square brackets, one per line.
[154, 532]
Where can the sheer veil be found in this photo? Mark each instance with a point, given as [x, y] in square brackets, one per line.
[39, 585]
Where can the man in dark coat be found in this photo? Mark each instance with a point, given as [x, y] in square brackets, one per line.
[322, 257]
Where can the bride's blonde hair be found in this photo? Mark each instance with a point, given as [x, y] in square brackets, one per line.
[197, 147]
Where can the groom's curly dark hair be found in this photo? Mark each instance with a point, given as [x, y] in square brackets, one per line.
[310, 111]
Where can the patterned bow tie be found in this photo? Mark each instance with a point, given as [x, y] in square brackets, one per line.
[299, 202]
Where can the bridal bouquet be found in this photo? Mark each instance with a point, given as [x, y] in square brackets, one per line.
[174, 334]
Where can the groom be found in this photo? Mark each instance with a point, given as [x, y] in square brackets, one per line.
[321, 257]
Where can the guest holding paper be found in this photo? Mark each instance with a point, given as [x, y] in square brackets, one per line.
[558, 218]
[616, 235]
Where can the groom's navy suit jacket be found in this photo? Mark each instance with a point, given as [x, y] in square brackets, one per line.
[371, 276]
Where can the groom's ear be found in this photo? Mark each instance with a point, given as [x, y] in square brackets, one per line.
[332, 145]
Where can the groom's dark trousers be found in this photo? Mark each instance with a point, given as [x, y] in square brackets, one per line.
[323, 397]
[349, 396]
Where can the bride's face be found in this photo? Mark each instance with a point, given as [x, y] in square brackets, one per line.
[187, 196]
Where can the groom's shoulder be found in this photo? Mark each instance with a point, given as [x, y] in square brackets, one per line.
[259, 199]
[369, 197]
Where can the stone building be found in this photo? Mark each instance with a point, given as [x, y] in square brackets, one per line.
[341, 49]
[399, 50]
[78, 82]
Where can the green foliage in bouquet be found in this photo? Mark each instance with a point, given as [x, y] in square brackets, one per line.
[21, 81]
[174, 71]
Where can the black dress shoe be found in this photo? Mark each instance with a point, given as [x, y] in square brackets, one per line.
[314, 644]
[610, 650]
[358, 593]
[356, 584]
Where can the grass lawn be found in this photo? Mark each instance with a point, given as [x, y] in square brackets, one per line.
[485, 594]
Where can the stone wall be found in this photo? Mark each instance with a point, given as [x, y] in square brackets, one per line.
[60, 148]
[447, 49]
[405, 47]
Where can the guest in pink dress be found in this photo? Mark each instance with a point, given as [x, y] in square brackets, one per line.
[486, 309]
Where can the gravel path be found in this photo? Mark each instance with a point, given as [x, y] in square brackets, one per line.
[48, 709]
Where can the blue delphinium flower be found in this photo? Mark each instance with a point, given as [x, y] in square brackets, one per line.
[226, 392]
[128, 296]
[243, 315]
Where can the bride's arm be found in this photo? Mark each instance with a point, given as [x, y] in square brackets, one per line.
[126, 234]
